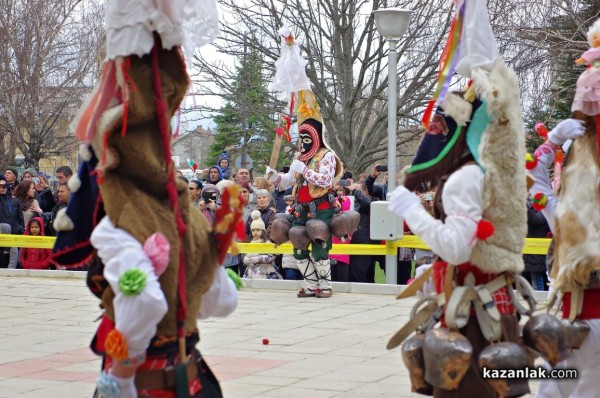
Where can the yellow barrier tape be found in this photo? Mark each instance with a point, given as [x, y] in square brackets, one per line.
[532, 245]
[35, 242]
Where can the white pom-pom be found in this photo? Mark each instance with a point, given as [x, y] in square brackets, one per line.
[74, 183]
[85, 153]
[62, 222]
[255, 214]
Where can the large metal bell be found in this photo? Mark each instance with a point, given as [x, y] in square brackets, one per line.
[575, 332]
[280, 229]
[447, 358]
[414, 360]
[299, 237]
[505, 356]
[340, 226]
[545, 335]
[318, 231]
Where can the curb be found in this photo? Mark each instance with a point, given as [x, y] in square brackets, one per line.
[256, 284]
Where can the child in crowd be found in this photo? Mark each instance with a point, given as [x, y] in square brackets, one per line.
[259, 266]
[35, 258]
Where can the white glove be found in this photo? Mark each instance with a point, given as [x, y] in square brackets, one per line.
[111, 386]
[403, 201]
[566, 130]
[127, 387]
[298, 167]
[271, 174]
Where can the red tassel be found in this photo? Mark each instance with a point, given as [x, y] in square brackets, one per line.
[485, 229]
[241, 231]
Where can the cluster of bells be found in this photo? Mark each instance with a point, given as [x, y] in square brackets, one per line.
[315, 231]
[440, 357]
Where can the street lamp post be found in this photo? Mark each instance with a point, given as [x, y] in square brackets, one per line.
[392, 23]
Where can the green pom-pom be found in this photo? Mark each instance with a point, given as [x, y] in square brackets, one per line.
[237, 281]
[133, 281]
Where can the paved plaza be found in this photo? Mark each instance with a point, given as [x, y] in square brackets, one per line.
[318, 348]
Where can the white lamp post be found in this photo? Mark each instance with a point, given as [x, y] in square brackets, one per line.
[392, 23]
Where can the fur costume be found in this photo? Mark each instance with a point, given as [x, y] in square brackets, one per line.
[577, 228]
[501, 151]
[156, 254]
[133, 178]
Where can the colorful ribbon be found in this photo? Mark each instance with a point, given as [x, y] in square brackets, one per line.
[447, 65]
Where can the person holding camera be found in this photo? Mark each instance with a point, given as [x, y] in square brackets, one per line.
[377, 191]
[208, 203]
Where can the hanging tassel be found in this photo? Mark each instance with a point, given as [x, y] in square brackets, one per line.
[485, 229]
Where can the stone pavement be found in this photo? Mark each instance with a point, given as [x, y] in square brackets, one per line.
[317, 348]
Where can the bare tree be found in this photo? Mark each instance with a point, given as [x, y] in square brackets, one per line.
[50, 53]
[347, 64]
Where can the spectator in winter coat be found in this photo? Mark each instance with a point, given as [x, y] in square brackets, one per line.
[194, 189]
[215, 174]
[376, 191]
[32, 258]
[25, 194]
[259, 266]
[62, 195]
[44, 194]
[225, 164]
[11, 211]
[11, 176]
[208, 201]
[267, 211]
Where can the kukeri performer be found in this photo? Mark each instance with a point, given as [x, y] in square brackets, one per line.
[313, 173]
[574, 217]
[152, 255]
[472, 156]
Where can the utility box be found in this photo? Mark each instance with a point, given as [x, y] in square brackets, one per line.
[385, 225]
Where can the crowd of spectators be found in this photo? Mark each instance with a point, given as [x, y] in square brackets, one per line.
[29, 206]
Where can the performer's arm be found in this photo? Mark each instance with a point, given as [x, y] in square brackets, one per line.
[453, 239]
[324, 176]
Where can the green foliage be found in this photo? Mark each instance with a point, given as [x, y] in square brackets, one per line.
[246, 115]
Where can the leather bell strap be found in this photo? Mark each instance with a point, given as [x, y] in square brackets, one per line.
[526, 292]
[458, 309]
[420, 318]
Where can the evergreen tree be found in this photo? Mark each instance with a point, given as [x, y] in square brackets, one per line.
[247, 117]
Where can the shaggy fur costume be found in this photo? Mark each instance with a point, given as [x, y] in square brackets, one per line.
[577, 229]
[134, 179]
[501, 152]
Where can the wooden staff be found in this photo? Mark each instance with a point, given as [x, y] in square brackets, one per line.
[275, 151]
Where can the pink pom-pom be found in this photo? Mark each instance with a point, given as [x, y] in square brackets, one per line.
[157, 248]
[485, 229]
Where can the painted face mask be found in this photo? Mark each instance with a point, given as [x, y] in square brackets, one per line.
[308, 142]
